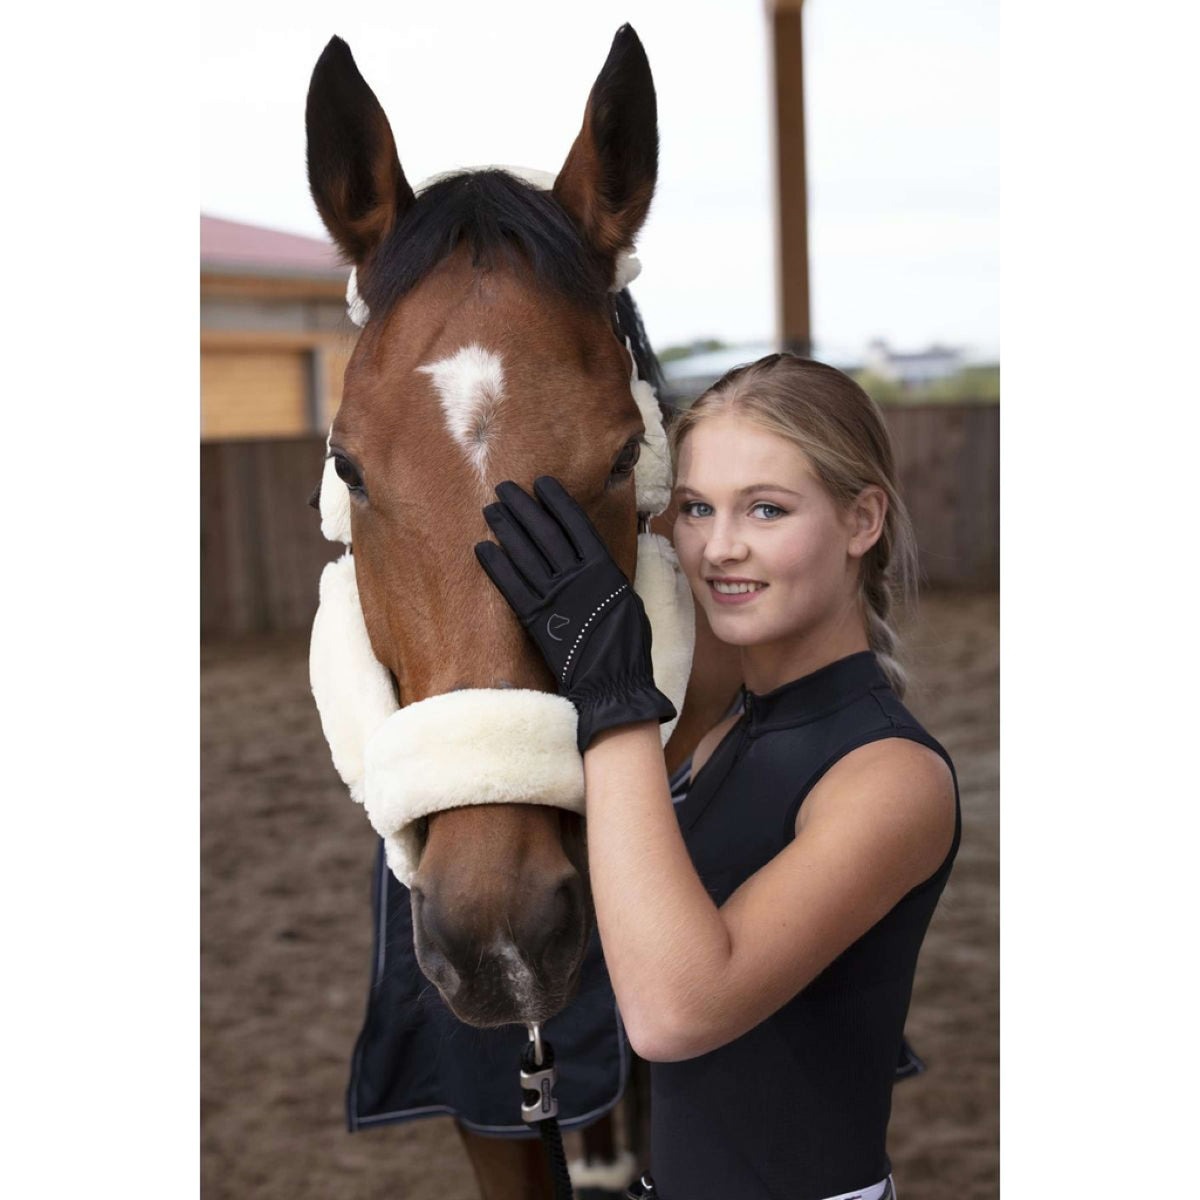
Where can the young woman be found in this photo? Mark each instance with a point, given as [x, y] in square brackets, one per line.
[761, 938]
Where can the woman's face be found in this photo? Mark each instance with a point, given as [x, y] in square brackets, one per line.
[753, 512]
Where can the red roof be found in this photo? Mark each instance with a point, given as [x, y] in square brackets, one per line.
[253, 249]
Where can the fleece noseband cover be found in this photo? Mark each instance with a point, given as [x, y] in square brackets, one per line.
[477, 745]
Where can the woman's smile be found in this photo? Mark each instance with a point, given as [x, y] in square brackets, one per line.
[734, 591]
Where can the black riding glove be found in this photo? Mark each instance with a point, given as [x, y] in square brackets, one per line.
[576, 604]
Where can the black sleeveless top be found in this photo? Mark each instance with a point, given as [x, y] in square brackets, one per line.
[797, 1108]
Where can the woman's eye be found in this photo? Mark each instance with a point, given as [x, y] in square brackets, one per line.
[698, 508]
[627, 459]
[777, 511]
[347, 472]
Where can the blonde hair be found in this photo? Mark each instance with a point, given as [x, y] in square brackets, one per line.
[842, 433]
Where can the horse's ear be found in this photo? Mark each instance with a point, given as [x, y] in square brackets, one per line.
[607, 181]
[354, 172]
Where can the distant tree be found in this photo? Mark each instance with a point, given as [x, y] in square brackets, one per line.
[979, 383]
[881, 389]
[700, 346]
[970, 385]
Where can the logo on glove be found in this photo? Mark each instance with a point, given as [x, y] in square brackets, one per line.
[556, 621]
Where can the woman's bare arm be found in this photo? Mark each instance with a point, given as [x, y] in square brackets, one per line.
[690, 977]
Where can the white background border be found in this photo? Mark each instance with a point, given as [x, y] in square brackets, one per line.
[100, 874]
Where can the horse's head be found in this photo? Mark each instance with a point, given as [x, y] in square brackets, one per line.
[493, 350]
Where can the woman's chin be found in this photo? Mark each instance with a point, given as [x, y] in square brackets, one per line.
[733, 628]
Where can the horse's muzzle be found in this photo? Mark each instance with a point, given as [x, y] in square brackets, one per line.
[526, 973]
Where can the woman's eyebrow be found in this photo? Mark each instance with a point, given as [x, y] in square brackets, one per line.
[752, 487]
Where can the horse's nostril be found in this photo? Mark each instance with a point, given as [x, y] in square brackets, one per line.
[440, 970]
[569, 900]
[561, 927]
[428, 922]
[442, 950]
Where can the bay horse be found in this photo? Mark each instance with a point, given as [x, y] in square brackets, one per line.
[495, 349]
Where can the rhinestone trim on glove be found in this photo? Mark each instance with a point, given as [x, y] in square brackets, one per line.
[575, 646]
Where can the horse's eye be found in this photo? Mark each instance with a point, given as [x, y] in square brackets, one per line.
[347, 472]
[628, 457]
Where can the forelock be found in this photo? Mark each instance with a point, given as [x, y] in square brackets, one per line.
[504, 221]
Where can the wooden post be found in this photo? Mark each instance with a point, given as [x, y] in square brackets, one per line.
[795, 330]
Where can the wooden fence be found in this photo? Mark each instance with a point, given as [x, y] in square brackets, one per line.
[948, 460]
[261, 550]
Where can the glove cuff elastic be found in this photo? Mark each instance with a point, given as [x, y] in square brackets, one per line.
[619, 705]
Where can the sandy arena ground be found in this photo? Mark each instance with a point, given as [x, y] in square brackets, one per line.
[286, 942]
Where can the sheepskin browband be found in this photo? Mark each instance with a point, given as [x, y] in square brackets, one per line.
[480, 745]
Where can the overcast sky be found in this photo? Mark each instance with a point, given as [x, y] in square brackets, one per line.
[902, 103]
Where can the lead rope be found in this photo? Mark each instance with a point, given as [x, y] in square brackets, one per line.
[539, 1106]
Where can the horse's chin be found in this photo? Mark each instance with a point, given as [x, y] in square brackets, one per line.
[494, 998]
[492, 1015]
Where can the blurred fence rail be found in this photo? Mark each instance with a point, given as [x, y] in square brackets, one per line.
[261, 550]
[948, 460]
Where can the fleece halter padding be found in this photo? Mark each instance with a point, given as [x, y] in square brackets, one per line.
[474, 746]
[488, 747]
[479, 745]
[353, 689]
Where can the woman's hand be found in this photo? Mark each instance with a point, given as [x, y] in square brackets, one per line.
[558, 577]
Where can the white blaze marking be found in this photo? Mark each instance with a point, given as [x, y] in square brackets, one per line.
[470, 386]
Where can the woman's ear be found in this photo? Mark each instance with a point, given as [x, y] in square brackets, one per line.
[867, 512]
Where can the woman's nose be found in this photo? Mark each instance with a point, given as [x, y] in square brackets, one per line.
[725, 544]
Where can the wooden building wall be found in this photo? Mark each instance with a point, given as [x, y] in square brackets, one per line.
[255, 384]
[261, 550]
[272, 356]
[278, 381]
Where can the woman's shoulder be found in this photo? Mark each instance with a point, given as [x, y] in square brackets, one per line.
[898, 782]
[915, 764]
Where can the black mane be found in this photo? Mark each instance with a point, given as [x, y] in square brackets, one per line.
[498, 216]
[628, 324]
[501, 217]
